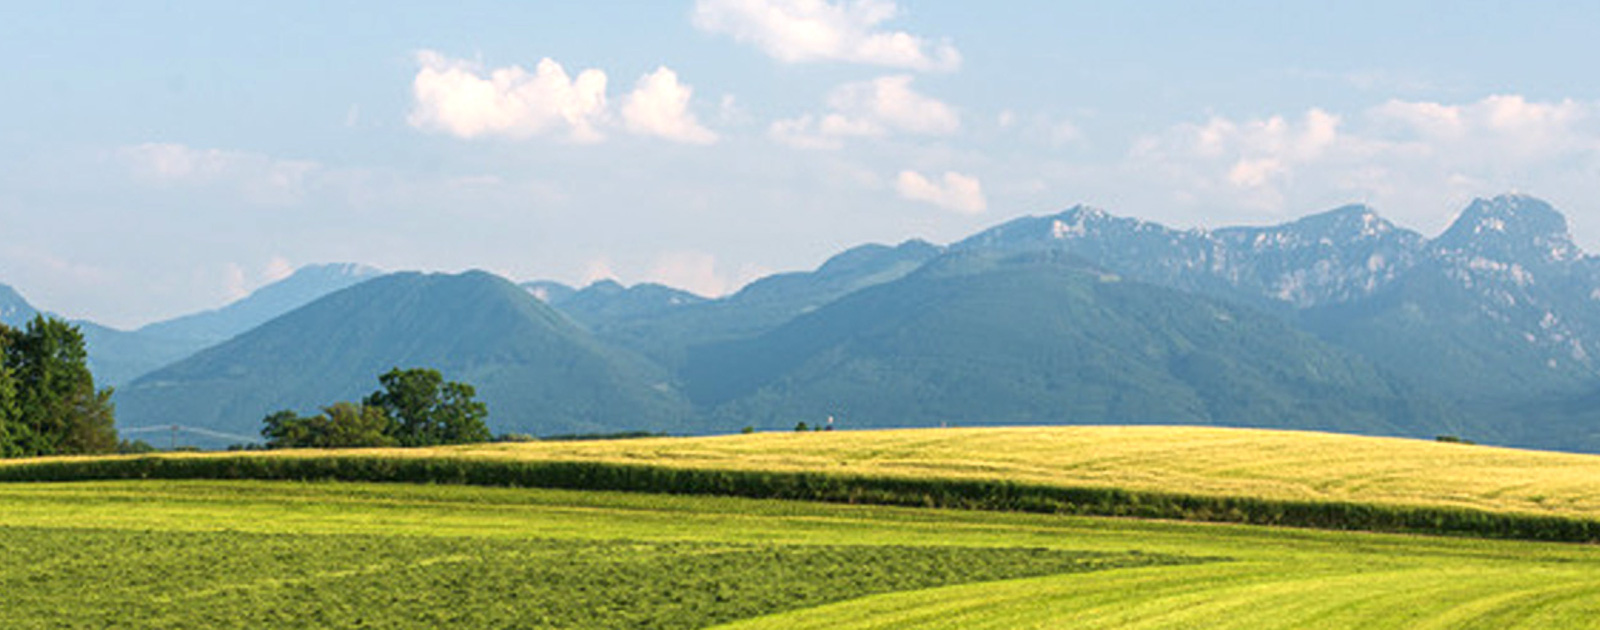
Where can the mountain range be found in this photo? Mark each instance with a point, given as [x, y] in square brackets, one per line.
[1339, 321]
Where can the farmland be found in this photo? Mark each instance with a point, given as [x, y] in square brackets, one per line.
[241, 552]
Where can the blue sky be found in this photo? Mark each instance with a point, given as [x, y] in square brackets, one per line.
[159, 158]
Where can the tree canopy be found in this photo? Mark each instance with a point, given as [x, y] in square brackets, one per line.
[415, 407]
[48, 401]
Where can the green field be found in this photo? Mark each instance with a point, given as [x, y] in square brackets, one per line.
[219, 554]
[181, 553]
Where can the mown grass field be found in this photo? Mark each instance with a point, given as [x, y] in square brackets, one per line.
[329, 554]
[182, 553]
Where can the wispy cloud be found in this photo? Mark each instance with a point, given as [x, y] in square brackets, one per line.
[1400, 154]
[257, 178]
[868, 109]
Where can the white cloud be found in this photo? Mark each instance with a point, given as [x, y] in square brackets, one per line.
[258, 178]
[870, 109]
[453, 96]
[1500, 123]
[461, 99]
[955, 191]
[700, 273]
[659, 106]
[795, 31]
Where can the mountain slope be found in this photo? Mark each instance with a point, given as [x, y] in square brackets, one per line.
[607, 304]
[982, 339]
[762, 305]
[15, 310]
[300, 288]
[536, 371]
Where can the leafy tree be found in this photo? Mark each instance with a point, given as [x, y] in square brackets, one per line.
[348, 425]
[48, 401]
[286, 429]
[9, 413]
[340, 425]
[427, 410]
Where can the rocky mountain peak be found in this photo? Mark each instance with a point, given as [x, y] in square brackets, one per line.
[1510, 227]
[1346, 224]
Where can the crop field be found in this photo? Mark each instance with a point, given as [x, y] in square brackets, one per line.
[1289, 465]
[160, 553]
[1221, 475]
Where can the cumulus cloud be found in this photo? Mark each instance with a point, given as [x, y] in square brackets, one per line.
[954, 191]
[659, 106]
[456, 97]
[462, 99]
[795, 31]
[871, 109]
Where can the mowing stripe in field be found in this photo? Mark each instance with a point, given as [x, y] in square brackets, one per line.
[1244, 596]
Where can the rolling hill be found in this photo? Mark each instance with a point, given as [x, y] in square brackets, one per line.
[537, 372]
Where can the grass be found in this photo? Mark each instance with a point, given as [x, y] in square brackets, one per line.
[243, 553]
[239, 579]
[1229, 475]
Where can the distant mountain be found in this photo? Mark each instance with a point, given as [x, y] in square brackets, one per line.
[1498, 315]
[119, 356]
[549, 291]
[1340, 321]
[300, 288]
[666, 333]
[1336, 256]
[1502, 313]
[115, 356]
[14, 309]
[607, 303]
[537, 372]
[982, 338]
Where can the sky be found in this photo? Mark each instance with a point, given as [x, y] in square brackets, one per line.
[158, 158]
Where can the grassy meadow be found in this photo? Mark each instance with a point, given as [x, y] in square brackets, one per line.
[327, 554]
[245, 552]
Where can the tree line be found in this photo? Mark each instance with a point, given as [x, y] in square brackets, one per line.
[48, 402]
[414, 407]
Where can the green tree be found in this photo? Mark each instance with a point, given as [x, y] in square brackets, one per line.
[427, 410]
[286, 429]
[53, 406]
[9, 414]
[340, 425]
[349, 425]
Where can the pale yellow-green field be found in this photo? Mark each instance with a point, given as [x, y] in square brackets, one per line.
[1284, 465]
